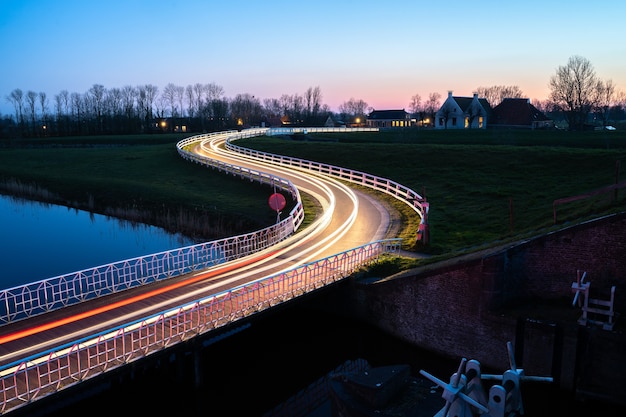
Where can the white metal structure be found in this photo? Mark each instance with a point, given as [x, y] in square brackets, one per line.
[43, 374]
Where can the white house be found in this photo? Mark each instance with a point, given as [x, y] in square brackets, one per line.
[463, 113]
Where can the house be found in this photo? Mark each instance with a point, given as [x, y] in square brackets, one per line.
[463, 113]
[519, 113]
[389, 118]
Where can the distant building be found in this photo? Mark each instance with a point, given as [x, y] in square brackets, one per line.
[463, 113]
[519, 113]
[389, 118]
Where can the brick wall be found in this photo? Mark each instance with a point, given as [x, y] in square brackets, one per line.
[467, 307]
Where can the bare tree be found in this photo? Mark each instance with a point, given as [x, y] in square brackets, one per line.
[179, 95]
[607, 98]
[62, 106]
[43, 103]
[146, 96]
[17, 99]
[129, 96]
[575, 88]
[432, 105]
[353, 108]
[31, 101]
[169, 98]
[415, 106]
[312, 103]
[96, 95]
[272, 107]
[190, 94]
[78, 111]
[497, 93]
[246, 109]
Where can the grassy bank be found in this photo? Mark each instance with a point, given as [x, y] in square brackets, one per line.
[136, 178]
[484, 187]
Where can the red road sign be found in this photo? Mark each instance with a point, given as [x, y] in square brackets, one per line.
[277, 202]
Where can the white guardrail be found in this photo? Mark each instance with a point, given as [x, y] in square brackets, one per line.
[48, 372]
[398, 191]
[43, 296]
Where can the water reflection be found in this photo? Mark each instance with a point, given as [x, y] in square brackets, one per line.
[40, 240]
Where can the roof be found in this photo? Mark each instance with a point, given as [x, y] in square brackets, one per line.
[464, 103]
[388, 115]
[517, 112]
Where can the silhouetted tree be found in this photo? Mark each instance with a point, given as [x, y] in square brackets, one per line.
[495, 94]
[575, 89]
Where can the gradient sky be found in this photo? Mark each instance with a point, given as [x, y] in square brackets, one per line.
[380, 52]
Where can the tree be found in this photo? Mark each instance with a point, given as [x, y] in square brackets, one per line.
[146, 96]
[312, 103]
[607, 99]
[574, 88]
[415, 106]
[496, 93]
[246, 109]
[17, 99]
[96, 94]
[43, 103]
[170, 98]
[31, 100]
[432, 105]
[353, 108]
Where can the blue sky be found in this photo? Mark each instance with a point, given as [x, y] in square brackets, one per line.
[380, 52]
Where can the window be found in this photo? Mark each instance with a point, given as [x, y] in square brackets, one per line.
[466, 122]
[480, 122]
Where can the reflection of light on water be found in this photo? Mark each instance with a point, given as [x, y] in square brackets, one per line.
[41, 240]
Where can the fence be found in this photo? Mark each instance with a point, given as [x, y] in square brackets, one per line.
[52, 293]
[392, 188]
[65, 366]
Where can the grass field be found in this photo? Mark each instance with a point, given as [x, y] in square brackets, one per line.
[484, 187]
[129, 176]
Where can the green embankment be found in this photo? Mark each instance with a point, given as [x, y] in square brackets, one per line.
[484, 187]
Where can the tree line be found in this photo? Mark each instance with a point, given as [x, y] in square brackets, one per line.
[577, 95]
[147, 109]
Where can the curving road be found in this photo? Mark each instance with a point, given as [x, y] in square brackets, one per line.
[348, 219]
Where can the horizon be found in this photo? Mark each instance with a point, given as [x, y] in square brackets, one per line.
[383, 56]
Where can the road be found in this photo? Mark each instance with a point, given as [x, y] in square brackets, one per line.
[348, 219]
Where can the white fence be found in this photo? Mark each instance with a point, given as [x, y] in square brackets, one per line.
[398, 191]
[39, 297]
[65, 366]
[44, 374]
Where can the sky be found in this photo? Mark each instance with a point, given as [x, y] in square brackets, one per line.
[383, 53]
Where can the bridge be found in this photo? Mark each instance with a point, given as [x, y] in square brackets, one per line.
[59, 332]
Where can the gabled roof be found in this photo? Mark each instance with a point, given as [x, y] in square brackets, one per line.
[517, 112]
[465, 102]
[388, 115]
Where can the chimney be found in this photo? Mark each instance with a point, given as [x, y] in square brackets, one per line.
[449, 93]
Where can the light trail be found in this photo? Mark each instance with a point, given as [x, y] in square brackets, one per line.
[299, 248]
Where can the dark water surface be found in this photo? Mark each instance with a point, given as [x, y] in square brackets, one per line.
[39, 241]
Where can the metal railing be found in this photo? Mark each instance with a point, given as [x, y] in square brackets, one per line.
[49, 372]
[35, 377]
[46, 295]
[387, 186]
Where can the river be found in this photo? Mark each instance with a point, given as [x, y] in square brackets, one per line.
[40, 241]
